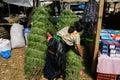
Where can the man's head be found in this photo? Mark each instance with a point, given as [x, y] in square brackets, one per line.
[78, 27]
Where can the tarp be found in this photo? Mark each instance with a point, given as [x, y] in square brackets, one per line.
[29, 3]
[26, 3]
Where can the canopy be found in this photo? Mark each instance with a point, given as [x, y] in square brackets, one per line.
[26, 3]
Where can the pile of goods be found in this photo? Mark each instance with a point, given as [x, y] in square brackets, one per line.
[110, 42]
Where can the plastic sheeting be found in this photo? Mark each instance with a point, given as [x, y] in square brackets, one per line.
[26, 3]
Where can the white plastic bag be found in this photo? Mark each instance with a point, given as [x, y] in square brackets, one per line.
[17, 38]
[4, 45]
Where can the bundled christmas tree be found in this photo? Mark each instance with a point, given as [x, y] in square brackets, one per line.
[37, 43]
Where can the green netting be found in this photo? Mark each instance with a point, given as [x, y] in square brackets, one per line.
[66, 18]
[34, 62]
[36, 53]
[37, 46]
[38, 31]
[73, 65]
[37, 38]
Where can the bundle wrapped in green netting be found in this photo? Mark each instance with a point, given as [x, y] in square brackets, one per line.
[38, 24]
[35, 53]
[41, 13]
[66, 18]
[37, 45]
[35, 62]
[34, 67]
[37, 38]
[73, 65]
[41, 27]
[38, 31]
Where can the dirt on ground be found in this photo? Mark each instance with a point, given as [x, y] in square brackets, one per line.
[13, 68]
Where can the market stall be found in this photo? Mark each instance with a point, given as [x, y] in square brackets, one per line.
[96, 41]
[106, 65]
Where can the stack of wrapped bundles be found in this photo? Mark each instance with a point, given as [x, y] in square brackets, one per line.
[37, 44]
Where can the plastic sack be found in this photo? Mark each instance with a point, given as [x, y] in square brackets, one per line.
[26, 31]
[5, 54]
[4, 44]
[16, 34]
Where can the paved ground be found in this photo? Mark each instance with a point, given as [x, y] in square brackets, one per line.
[13, 68]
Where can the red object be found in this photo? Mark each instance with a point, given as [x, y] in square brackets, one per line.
[49, 36]
[116, 37]
[81, 72]
[101, 76]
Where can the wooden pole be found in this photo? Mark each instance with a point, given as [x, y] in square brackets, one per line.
[97, 36]
[9, 9]
[115, 6]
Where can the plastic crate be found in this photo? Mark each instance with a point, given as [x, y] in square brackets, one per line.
[101, 76]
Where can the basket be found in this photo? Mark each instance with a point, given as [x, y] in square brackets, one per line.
[101, 76]
[4, 33]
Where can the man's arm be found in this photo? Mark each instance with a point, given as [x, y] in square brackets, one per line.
[80, 50]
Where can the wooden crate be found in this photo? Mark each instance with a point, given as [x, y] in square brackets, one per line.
[101, 76]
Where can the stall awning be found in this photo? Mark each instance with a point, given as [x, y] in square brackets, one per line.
[26, 3]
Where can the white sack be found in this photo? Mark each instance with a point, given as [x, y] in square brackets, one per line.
[4, 45]
[17, 38]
